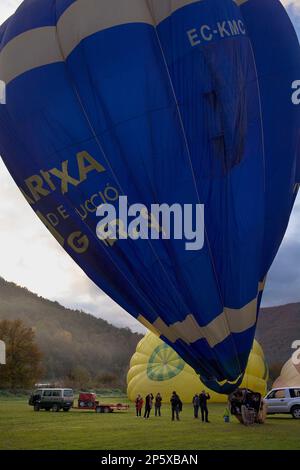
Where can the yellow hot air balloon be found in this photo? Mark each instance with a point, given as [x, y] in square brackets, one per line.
[289, 375]
[155, 367]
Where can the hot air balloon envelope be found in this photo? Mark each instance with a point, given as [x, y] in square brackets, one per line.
[184, 102]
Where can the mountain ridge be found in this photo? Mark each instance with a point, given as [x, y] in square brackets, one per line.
[72, 339]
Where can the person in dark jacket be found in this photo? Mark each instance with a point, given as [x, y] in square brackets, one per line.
[176, 405]
[158, 400]
[203, 399]
[148, 405]
[196, 405]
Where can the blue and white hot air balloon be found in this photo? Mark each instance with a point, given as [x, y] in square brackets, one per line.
[182, 101]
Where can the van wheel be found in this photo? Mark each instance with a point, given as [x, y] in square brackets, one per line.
[296, 412]
[36, 407]
[55, 407]
[66, 409]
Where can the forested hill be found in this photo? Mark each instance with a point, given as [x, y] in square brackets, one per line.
[74, 344]
[78, 345]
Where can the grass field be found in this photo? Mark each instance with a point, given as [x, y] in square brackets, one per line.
[22, 428]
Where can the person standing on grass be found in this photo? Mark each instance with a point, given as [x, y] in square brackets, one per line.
[176, 405]
[139, 405]
[196, 406]
[203, 399]
[148, 405]
[158, 400]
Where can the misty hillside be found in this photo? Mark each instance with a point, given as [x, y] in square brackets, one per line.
[72, 342]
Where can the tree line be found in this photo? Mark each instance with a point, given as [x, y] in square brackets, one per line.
[49, 343]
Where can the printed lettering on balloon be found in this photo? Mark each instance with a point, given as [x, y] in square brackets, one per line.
[43, 184]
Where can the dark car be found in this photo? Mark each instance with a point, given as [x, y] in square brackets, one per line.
[53, 399]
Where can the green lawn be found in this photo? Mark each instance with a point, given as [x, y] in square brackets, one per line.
[22, 428]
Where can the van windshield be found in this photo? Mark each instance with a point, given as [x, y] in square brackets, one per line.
[68, 393]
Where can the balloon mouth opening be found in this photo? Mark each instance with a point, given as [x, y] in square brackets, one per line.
[224, 387]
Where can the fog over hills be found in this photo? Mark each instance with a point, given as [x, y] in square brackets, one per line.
[72, 340]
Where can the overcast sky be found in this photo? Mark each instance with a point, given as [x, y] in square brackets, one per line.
[30, 256]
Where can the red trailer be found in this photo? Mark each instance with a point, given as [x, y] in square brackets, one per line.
[88, 401]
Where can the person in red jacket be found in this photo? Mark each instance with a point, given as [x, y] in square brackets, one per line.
[139, 405]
